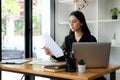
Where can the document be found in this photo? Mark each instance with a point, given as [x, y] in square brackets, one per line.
[52, 45]
[47, 63]
[14, 61]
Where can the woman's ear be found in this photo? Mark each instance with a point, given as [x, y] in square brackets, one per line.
[81, 24]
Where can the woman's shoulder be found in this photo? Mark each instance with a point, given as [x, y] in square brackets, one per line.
[69, 36]
[90, 38]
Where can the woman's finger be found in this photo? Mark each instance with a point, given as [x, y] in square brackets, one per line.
[47, 51]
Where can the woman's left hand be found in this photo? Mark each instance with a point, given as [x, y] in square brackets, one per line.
[47, 51]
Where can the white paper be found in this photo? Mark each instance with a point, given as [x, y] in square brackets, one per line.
[14, 61]
[52, 45]
[46, 63]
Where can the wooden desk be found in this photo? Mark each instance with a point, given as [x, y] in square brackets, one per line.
[35, 69]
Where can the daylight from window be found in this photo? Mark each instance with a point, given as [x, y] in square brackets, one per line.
[13, 42]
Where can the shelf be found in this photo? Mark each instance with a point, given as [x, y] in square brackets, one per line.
[118, 71]
[68, 3]
[110, 20]
[115, 45]
[65, 1]
[91, 21]
[97, 15]
[117, 20]
[63, 22]
[68, 22]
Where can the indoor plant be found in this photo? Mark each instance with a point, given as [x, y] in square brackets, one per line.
[115, 11]
[81, 66]
[114, 39]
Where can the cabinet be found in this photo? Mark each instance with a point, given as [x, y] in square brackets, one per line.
[98, 18]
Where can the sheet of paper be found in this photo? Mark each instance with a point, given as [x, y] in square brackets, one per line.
[52, 45]
[46, 63]
[14, 61]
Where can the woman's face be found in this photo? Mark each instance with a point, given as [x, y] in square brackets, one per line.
[74, 23]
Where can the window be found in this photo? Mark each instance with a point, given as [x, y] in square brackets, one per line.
[41, 25]
[14, 29]
[12, 33]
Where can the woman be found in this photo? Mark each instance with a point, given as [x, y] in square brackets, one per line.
[79, 32]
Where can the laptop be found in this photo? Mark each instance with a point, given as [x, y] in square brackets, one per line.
[95, 54]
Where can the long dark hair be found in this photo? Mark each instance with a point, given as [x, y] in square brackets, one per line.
[80, 16]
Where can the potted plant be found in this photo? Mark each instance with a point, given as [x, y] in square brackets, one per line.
[114, 39]
[81, 66]
[115, 11]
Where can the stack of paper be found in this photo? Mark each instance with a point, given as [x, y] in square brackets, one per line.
[49, 65]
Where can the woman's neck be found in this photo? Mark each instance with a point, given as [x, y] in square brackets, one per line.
[78, 35]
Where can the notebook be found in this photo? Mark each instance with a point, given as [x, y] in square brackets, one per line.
[95, 55]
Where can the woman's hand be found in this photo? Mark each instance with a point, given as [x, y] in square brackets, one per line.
[47, 51]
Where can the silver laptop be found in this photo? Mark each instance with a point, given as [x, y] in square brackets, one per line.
[94, 54]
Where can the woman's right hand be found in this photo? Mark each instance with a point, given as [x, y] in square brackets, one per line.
[47, 51]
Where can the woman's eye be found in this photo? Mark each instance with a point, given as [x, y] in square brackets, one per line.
[73, 21]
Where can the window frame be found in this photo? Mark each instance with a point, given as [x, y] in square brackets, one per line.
[28, 29]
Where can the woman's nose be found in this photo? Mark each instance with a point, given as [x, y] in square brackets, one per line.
[71, 24]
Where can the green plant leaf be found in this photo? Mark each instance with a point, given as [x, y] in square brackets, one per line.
[81, 62]
[115, 11]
